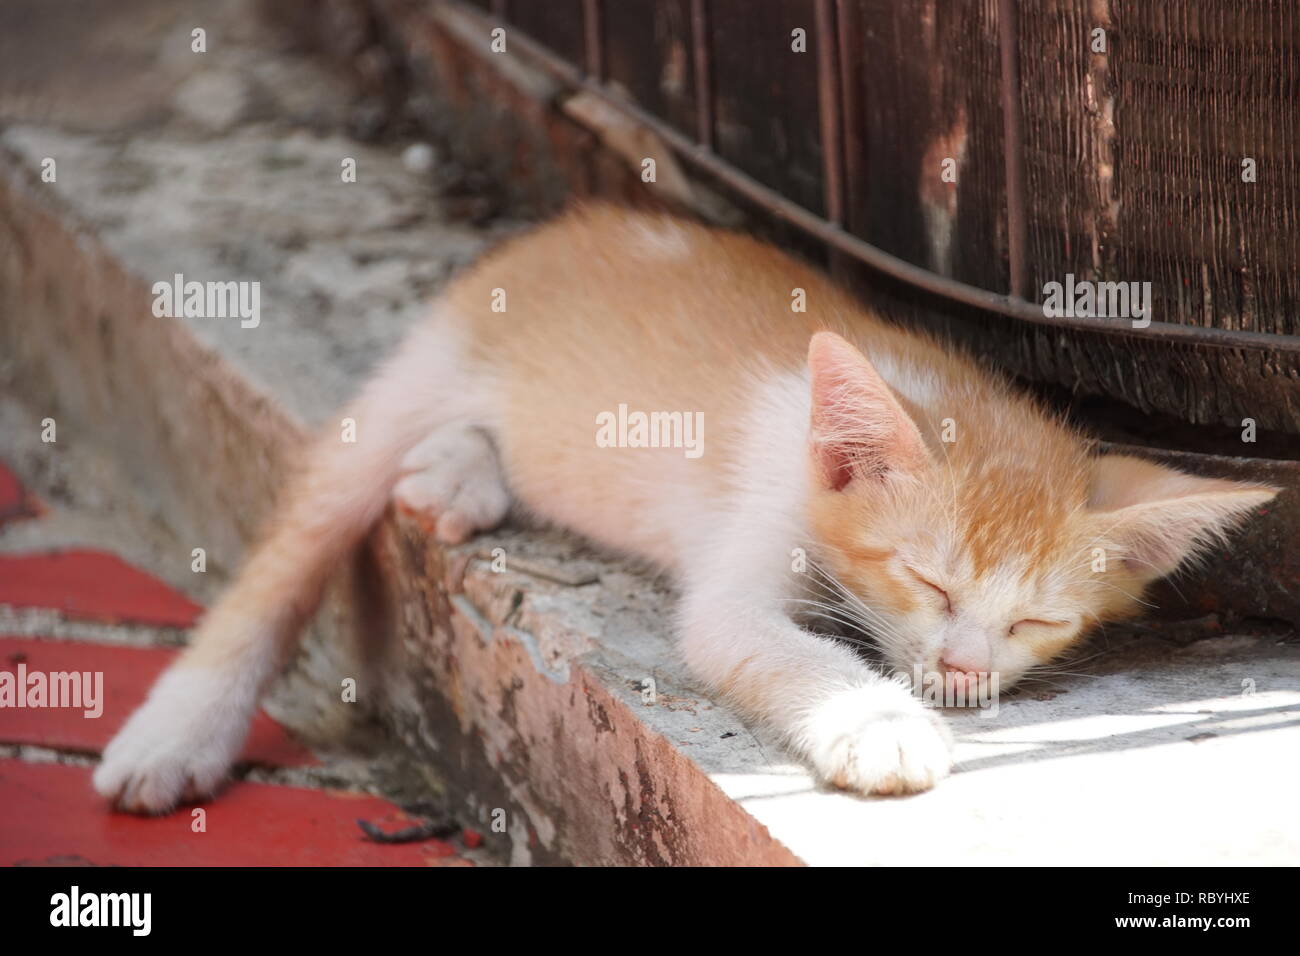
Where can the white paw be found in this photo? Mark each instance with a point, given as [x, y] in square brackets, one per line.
[454, 478]
[179, 745]
[878, 739]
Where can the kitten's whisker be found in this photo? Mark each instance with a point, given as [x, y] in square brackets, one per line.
[867, 618]
[837, 589]
[828, 611]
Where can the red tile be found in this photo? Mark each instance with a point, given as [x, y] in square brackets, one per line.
[15, 501]
[128, 672]
[92, 585]
[52, 816]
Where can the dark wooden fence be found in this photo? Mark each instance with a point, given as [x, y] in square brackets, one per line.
[1111, 140]
[1114, 162]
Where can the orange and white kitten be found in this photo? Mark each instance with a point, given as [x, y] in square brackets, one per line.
[951, 511]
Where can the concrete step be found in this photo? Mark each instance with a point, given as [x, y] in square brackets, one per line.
[517, 692]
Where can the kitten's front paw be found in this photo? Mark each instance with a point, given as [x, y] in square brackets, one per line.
[879, 739]
[178, 745]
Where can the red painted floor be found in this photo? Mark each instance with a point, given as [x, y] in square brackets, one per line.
[94, 586]
[15, 501]
[53, 817]
[49, 813]
[127, 674]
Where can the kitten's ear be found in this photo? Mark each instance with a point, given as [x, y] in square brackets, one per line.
[858, 430]
[1160, 516]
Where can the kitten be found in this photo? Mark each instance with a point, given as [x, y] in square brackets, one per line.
[976, 532]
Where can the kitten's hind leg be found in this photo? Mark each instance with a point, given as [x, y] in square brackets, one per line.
[454, 478]
[182, 740]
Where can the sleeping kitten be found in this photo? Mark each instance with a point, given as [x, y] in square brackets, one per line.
[978, 534]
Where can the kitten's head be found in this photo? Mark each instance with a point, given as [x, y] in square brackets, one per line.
[997, 549]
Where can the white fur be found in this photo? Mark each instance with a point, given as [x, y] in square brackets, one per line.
[661, 240]
[453, 475]
[878, 739]
[181, 743]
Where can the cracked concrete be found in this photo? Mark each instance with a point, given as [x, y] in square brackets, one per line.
[514, 690]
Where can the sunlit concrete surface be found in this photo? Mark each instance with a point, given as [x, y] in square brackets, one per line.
[1158, 756]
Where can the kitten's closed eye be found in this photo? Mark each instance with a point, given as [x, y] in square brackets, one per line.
[937, 591]
[1030, 624]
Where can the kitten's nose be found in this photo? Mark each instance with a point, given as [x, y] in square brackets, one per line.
[960, 672]
[965, 650]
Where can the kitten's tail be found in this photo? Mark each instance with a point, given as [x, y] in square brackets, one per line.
[346, 480]
[182, 741]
